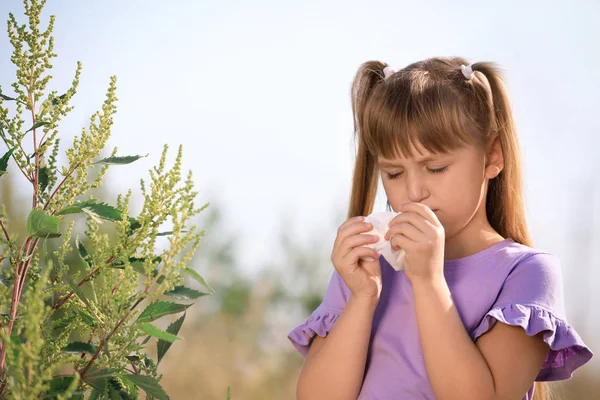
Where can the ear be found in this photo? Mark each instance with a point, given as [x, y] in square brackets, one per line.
[494, 158]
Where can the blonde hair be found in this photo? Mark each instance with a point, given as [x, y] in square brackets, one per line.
[432, 103]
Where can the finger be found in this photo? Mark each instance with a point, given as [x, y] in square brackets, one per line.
[408, 230]
[423, 225]
[355, 255]
[413, 218]
[351, 227]
[350, 221]
[422, 210]
[358, 240]
[401, 242]
[372, 268]
[351, 261]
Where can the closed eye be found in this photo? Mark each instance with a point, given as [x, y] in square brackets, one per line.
[433, 171]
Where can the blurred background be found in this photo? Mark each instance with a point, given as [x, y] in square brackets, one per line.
[258, 93]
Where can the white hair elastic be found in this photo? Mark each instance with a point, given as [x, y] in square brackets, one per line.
[387, 71]
[467, 71]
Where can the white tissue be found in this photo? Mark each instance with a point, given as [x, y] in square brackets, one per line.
[380, 222]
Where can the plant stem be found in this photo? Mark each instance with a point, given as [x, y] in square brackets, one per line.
[84, 280]
[18, 165]
[26, 267]
[34, 119]
[135, 370]
[104, 340]
[19, 282]
[60, 184]
[5, 231]
[19, 278]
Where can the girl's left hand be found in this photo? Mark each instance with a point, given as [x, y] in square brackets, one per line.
[419, 232]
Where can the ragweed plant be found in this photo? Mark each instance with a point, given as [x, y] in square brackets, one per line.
[68, 332]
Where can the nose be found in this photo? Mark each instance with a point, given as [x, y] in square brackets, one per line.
[416, 188]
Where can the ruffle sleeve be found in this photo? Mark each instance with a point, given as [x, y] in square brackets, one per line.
[322, 320]
[319, 323]
[567, 350]
[532, 298]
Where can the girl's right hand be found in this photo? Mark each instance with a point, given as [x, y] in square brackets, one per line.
[362, 277]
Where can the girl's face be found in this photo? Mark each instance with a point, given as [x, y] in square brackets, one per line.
[454, 185]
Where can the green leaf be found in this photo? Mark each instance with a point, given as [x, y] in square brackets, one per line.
[163, 345]
[87, 319]
[62, 323]
[147, 362]
[55, 100]
[7, 98]
[98, 384]
[4, 160]
[35, 126]
[159, 309]
[103, 210]
[157, 259]
[135, 263]
[182, 292]
[131, 388]
[117, 385]
[133, 224]
[78, 291]
[99, 211]
[199, 279]
[157, 333]
[113, 394]
[120, 160]
[85, 256]
[95, 395]
[40, 224]
[95, 373]
[148, 384]
[98, 379]
[167, 233]
[58, 386]
[43, 178]
[79, 347]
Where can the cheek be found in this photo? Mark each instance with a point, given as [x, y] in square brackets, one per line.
[462, 198]
[394, 193]
[463, 192]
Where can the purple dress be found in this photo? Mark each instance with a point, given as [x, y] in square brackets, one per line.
[507, 282]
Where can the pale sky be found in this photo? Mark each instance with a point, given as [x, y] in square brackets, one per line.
[258, 94]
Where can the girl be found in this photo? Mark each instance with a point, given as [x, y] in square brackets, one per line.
[476, 313]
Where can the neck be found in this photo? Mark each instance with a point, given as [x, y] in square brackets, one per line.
[476, 236]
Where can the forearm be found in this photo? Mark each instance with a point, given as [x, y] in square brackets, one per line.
[455, 366]
[336, 371]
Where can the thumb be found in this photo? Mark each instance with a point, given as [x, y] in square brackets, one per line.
[371, 267]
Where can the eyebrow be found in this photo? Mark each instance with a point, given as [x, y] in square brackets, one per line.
[385, 164]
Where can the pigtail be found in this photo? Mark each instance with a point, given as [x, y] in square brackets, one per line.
[505, 202]
[364, 181]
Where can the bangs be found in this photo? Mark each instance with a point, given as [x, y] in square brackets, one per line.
[405, 112]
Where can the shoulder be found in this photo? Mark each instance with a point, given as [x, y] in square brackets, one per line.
[534, 278]
[531, 263]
